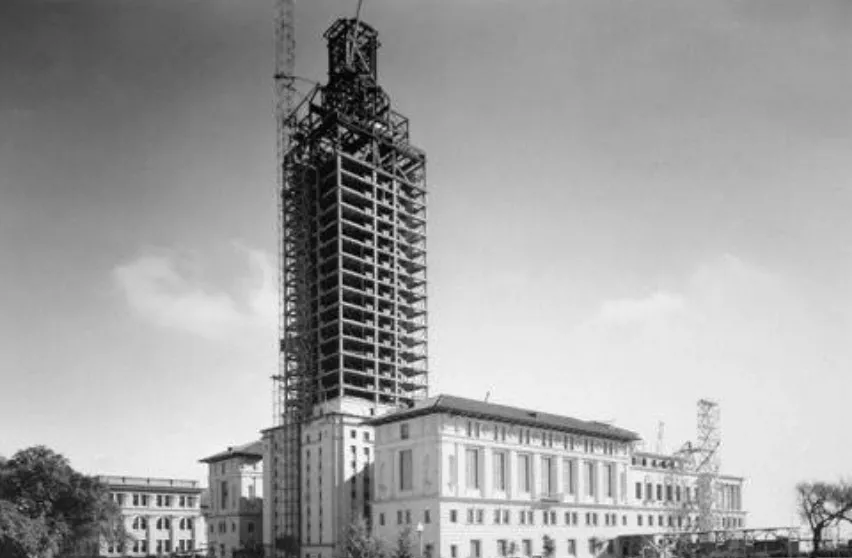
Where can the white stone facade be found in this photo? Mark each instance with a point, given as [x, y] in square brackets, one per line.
[162, 516]
[483, 487]
[235, 512]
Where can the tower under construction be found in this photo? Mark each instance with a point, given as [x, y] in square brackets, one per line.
[353, 270]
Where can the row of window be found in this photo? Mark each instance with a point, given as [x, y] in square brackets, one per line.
[507, 547]
[141, 523]
[672, 493]
[223, 527]
[162, 546]
[500, 476]
[403, 517]
[158, 500]
[545, 438]
[476, 516]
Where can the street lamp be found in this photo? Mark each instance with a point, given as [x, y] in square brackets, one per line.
[419, 530]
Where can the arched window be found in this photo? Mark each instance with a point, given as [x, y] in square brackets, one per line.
[181, 524]
[189, 523]
[143, 522]
[167, 523]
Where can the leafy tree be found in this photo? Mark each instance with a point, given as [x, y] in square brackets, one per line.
[47, 507]
[548, 547]
[358, 542]
[822, 505]
[404, 545]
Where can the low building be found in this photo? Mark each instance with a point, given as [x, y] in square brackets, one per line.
[476, 479]
[234, 512]
[162, 516]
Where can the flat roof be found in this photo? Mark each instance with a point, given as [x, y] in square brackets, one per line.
[251, 449]
[454, 405]
[150, 484]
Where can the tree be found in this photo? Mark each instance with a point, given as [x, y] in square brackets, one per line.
[47, 507]
[548, 547]
[358, 542]
[822, 505]
[404, 545]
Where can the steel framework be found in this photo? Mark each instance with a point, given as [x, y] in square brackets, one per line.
[707, 463]
[352, 216]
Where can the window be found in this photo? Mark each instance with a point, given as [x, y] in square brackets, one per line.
[159, 500]
[403, 431]
[408, 517]
[649, 489]
[454, 516]
[381, 519]
[353, 434]
[530, 517]
[470, 515]
[590, 478]
[480, 516]
[223, 495]
[502, 547]
[572, 547]
[454, 551]
[609, 480]
[526, 544]
[522, 517]
[569, 475]
[497, 516]
[405, 470]
[135, 499]
[475, 545]
[638, 490]
[547, 475]
[650, 521]
[399, 517]
[427, 517]
[524, 473]
[167, 501]
[639, 520]
[499, 461]
[506, 517]
[472, 467]
[593, 546]
[250, 527]
[659, 492]
[182, 502]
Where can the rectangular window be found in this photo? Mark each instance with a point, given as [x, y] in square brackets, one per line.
[572, 547]
[669, 493]
[639, 520]
[547, 475]
[470, 515]
[381, 519]
[502, 547]
[405, 470]
[408, 517]
[223, 493]
[454, 551]
[609, 480]
[475, 545]
[480, 516]
[472, 467]
[659, 492]
[135, 499]
[524, 473]
[649, 489]
[506, 517]
[399, 517]
[638, 490]
[527, 547]
[568, 475]
[427, 517]
[590, 478]
[500, 471]
[454, 516]
[403, 431]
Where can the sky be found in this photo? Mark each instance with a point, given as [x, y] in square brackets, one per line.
[633, 205]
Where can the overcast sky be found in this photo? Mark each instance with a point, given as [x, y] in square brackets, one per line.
[633, 204]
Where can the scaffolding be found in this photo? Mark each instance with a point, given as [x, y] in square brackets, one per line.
[352, 217]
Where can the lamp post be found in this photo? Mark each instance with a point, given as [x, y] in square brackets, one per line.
[419, 530]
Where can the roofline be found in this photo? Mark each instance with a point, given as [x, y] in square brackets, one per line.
[224, 456]
[439, 408]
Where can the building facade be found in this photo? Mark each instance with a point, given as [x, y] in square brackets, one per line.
[482, 480]
[162, 516]
[234, 512]
[353, 258]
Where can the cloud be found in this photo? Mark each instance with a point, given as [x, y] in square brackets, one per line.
[636, 310]
[169, 290]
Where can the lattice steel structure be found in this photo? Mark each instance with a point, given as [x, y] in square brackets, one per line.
[707, 463]
[353, 251]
